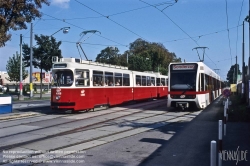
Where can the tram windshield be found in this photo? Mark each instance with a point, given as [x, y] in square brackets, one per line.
[183, 80]
[62, 78]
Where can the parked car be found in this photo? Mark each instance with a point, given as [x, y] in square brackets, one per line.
[3, 88]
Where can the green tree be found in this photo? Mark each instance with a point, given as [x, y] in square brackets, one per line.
[139, 63]
[14, 14]
[231, 75]
[157, 54]
[47, 47]
[13, 69]
[109, 55]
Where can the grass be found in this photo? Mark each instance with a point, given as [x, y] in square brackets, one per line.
[238, 111]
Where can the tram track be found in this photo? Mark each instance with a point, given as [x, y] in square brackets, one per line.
[59, 116]
[151, 104]
[117, 135]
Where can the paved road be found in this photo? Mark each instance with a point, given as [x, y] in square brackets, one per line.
[182, 142]
[185, 143]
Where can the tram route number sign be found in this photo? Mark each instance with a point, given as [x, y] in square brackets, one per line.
[226, 92]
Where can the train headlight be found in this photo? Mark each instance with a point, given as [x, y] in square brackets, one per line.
[58, 97]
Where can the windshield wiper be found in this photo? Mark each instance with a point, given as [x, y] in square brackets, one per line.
[189, 86]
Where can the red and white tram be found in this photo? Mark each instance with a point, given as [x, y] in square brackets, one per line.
[86, 85]
[192, 85]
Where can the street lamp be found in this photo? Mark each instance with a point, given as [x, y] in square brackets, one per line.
[65, 30]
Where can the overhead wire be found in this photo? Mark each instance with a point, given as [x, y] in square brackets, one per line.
[178, 27]
[109, 15]
[90, 43]
[237, 28]
[228, 34]
[199, 36]
[85, 29]
[111, 20]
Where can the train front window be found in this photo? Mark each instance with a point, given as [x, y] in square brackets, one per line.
[62, 78]
[183, 80]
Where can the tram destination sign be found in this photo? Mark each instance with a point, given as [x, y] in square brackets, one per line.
[184, 67]
[62, 65]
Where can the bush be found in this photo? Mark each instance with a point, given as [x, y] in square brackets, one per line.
[24, 90]
[27, 86]
[16, 90]
[35, 89]
[8, 88]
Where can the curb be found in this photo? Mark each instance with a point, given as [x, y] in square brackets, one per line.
[16, 115]
[22, 101]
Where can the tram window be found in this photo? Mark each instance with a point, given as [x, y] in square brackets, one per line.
[118, 79]
[163, 82]
[98, 78]
[109, 79]
[138, 80]
[158, 81]
[206, 82]
[152, 81]
[63, 78]
[148, 81]
[202, 82]
[167, 81]
[144, 82]
[214, 83]
[126, 80]
[82, 77]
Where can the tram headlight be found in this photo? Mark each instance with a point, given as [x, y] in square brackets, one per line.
[192, 96]
[58, 97]
[173, 96]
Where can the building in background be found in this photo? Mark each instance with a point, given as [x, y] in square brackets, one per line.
[46, 78]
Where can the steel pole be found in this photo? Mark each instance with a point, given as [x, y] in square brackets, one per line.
[21, 70]
[236, 71]
[31, 59]
[249, 56]
[243, 66]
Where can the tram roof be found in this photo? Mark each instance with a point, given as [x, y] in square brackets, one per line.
[75, 63]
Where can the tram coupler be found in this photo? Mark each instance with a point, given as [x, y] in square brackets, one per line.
[182, 105]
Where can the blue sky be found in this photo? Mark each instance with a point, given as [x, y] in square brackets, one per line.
[181, 27]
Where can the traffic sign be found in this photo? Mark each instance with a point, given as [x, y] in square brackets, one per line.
[226, 92]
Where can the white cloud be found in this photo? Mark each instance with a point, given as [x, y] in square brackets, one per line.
[61, 3]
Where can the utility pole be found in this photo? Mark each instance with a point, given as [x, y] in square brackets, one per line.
[236, 70]
[21, 70]
[249, 56]
[127, 58]
[233, 75]
[243, 68]
[31, 59]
